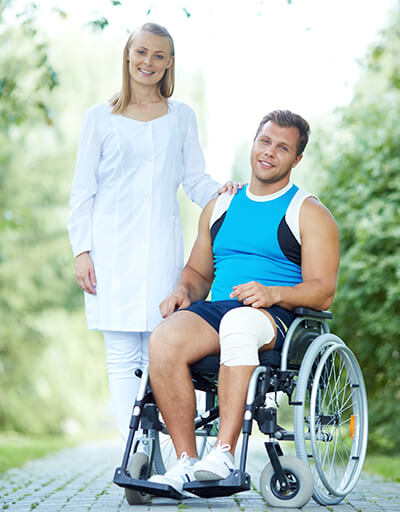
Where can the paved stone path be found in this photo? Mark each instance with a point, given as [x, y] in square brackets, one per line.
[80, 480]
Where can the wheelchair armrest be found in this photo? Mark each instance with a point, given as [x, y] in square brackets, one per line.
[313, 313]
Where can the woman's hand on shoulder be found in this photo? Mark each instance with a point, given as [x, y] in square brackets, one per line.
[85, 274]
[231, 187]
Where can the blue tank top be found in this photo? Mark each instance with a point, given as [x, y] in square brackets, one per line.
[254, 239]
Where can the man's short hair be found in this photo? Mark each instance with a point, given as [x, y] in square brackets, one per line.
[286, 118]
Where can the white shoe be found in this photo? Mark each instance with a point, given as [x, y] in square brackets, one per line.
[218, 464]
[180, 473]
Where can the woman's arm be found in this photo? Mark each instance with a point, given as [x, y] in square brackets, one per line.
[197, 184]
[83, 192]
[84, 186]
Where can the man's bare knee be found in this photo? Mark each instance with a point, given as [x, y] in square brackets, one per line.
[163, 344]
[156, 339]
[182, 338]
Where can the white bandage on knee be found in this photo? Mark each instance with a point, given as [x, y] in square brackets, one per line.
[242, 332]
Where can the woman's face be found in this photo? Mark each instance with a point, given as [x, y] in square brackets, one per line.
[149, 57]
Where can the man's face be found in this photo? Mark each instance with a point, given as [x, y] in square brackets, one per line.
[273, 154]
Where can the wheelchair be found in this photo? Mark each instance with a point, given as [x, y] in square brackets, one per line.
[323, 382]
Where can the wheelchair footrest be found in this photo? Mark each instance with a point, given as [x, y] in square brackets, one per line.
[237, 481]
[122, 478]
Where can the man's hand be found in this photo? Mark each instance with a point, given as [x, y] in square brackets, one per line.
[84, 271]
[179, 299]
[255, 294]
[230, 187]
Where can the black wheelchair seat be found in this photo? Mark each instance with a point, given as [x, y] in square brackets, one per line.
[209, 365]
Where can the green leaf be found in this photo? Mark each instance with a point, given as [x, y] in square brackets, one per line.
[60, 12]
[99, 24]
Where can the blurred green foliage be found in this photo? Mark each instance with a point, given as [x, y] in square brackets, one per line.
[387, 466]
[358, 161]
[52, 374]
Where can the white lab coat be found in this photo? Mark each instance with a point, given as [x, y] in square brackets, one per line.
[125, 212]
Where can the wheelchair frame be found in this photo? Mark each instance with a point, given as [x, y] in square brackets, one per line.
[330, 424]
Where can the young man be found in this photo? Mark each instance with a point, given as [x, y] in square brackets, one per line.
[268, 249]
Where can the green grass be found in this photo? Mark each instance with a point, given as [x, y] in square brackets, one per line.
[384, 466]
[16, 449]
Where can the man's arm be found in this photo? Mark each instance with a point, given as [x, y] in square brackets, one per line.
[320, 264]
[198, 273]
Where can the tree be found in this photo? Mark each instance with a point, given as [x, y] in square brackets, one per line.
[26, 78]
[360, 156]
[44, 364]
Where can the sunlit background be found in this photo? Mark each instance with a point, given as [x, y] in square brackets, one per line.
[237, 60]
[334, 62]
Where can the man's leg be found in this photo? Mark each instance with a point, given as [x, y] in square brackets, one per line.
[234, 380]
[232, 391]
[242, 334]
[181, 339]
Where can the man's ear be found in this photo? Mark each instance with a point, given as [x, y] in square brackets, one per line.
[297, 160]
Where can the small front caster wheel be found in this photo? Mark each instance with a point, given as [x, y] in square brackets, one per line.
[137, 468]
[301, 484]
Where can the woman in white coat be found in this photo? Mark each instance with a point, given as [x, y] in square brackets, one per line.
[124, 224]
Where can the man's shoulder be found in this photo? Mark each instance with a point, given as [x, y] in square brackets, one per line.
[219, 206]
[301, 194]
[312, 204]
[313, 212]
[303, 200]
[304, 211]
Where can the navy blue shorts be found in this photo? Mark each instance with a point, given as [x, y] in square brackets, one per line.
[213, 311]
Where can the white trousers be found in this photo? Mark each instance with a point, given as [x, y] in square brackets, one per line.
[126, 352]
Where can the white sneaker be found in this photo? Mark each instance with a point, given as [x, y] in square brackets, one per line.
[179, 474]
[218, 464]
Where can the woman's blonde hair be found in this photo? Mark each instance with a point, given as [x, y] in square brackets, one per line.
[120, 101]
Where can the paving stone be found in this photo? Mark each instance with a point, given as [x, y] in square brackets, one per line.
[80, 480]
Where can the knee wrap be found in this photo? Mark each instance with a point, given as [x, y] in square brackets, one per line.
[242, 332]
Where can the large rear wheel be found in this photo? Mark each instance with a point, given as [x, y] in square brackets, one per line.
[331, 422]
